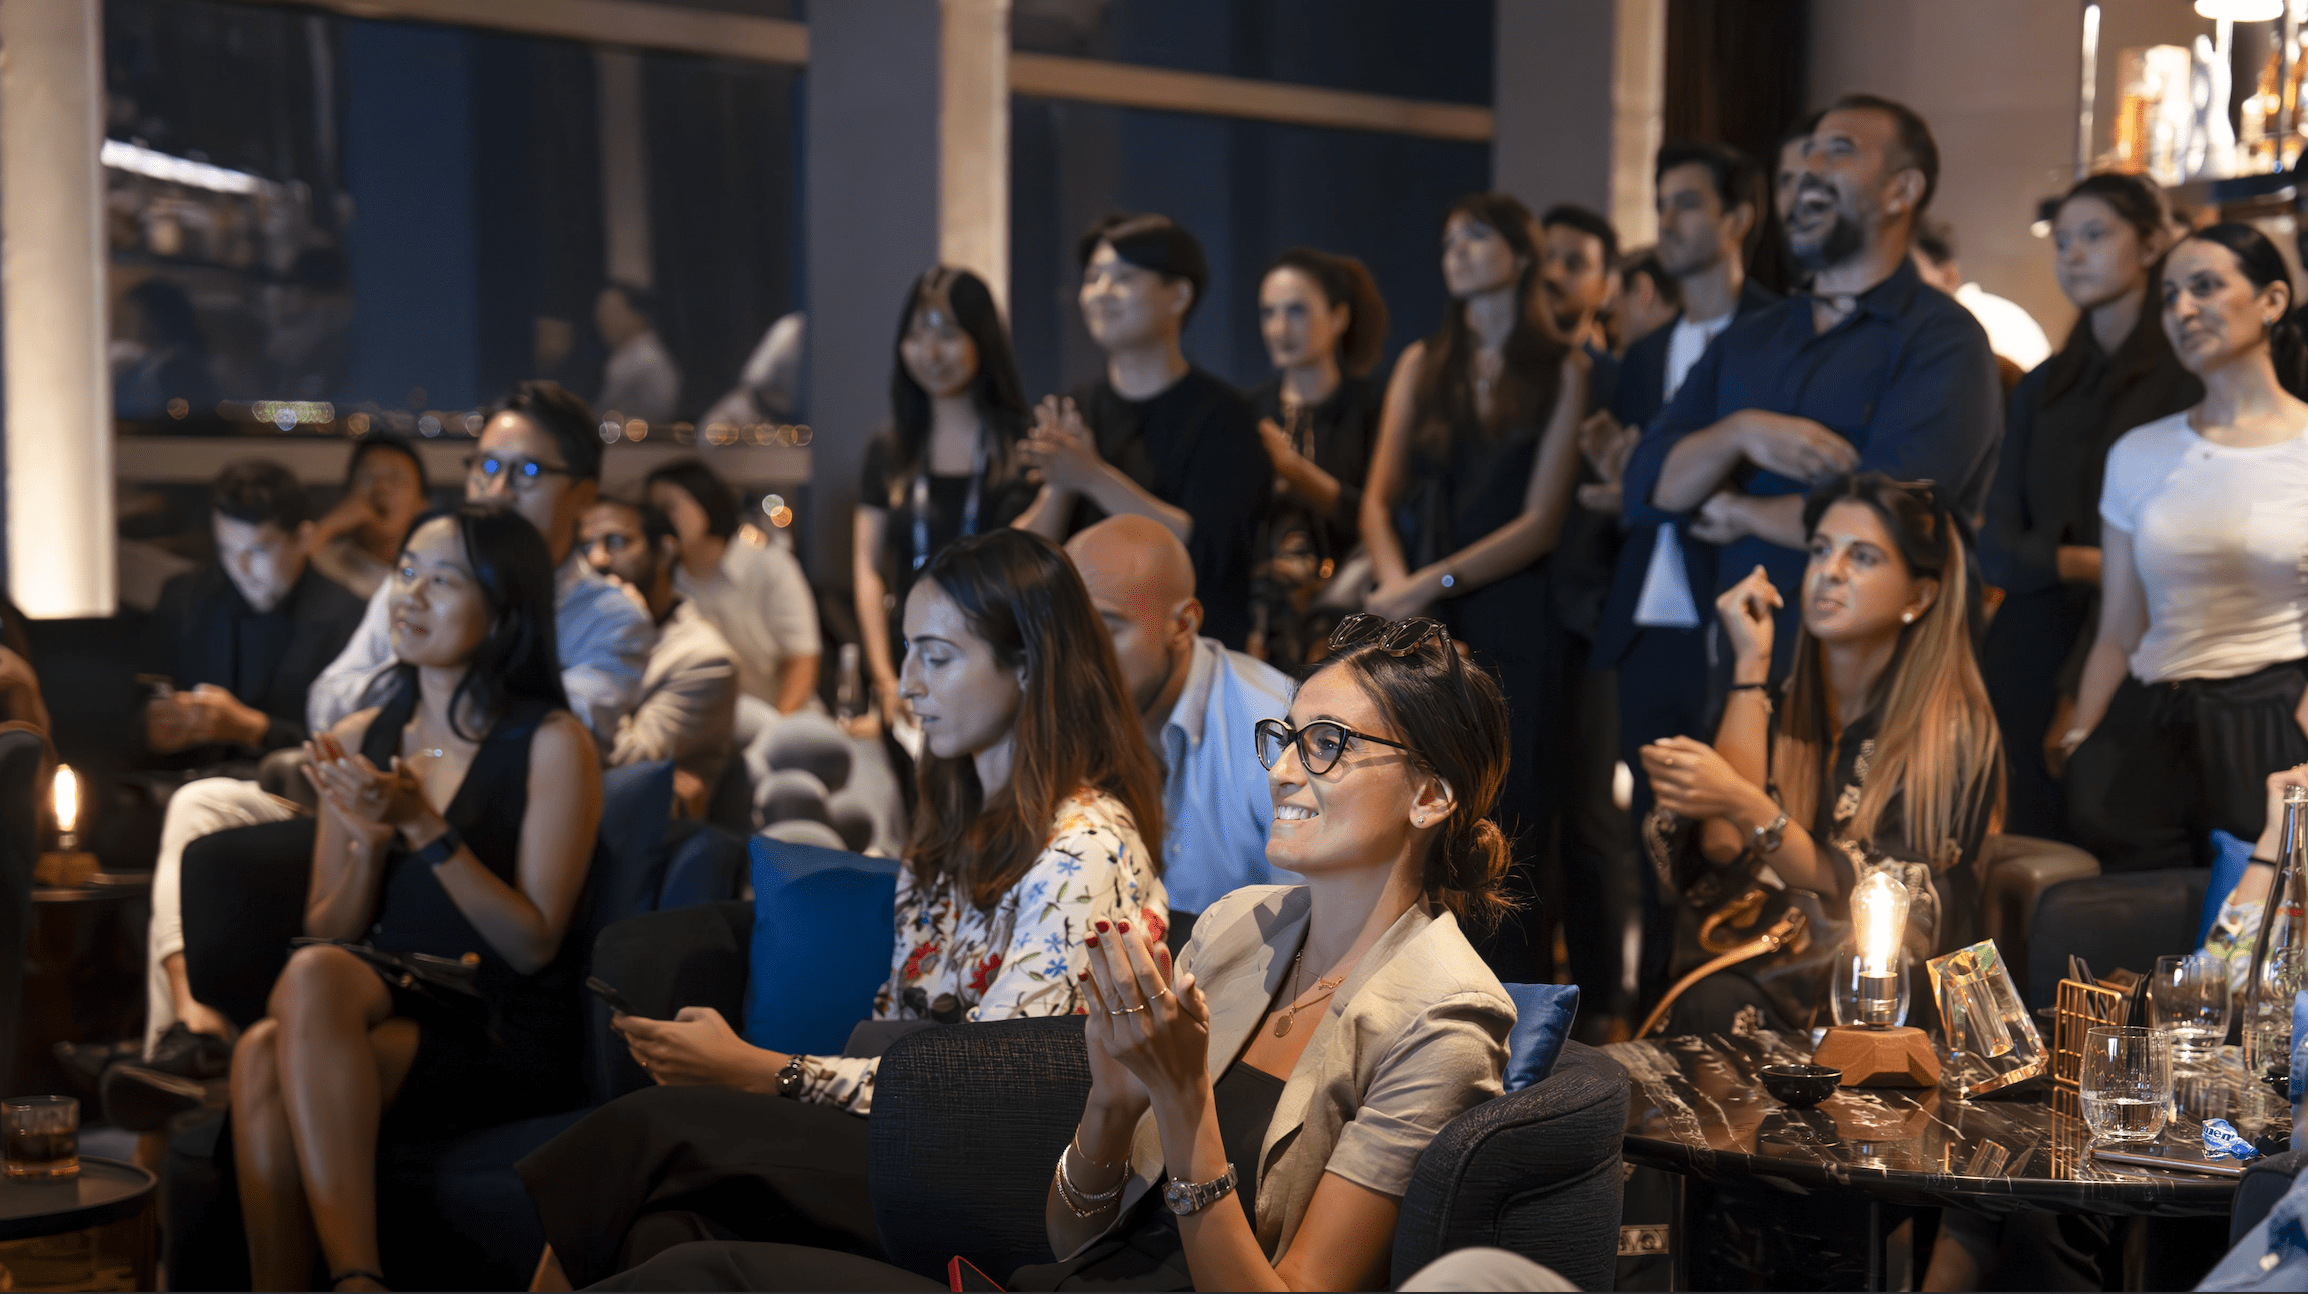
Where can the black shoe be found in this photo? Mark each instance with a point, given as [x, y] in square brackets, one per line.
[138, 1099]
[186, 1054]
[85, 1062]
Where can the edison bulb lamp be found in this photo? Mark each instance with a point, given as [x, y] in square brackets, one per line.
[67, 864]
[1871, 1042]
[1878, 927]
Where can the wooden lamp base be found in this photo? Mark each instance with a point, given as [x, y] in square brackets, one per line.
[1880, 1057]
[67, 869]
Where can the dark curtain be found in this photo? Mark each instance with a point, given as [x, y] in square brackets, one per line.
[1735, 76]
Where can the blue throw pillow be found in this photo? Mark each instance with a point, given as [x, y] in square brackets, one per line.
[823, 925]
[1543, 1015]
[2230, 857]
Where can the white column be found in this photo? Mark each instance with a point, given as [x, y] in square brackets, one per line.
[1580, 100]
[974, 141]
[624, 168]
[61, 556]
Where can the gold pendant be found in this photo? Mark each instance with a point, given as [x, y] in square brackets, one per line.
[1282, 1023]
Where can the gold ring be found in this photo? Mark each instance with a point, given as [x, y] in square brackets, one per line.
[1162, 992]
[1669, 761]
[1128, 1009]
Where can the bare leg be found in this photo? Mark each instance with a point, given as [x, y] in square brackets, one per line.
[272, 1190]
[550, 1279]
[342, 1059]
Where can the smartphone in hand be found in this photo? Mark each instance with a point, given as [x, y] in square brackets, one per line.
[607, 992]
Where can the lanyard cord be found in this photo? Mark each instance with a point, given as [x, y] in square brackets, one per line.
[921, 500]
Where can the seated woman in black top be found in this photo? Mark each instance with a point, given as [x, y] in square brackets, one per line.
[487, 1029]
[1154, 435]
[1325, 327]
[947, 466]
[1883, 752]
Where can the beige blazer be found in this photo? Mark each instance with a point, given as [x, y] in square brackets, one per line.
[1416, 1036]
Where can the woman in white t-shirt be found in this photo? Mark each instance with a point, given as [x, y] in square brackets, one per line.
[2197, 687]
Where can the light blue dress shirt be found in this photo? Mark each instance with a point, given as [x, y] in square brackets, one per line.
[603, 639]
[1216, 811]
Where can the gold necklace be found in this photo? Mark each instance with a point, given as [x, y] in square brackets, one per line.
[1322, 988]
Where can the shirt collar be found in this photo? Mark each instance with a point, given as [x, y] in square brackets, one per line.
[1886, 300]
[1194, 699]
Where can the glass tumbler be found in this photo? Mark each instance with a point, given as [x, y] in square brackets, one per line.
[2189, 997]
[2126, 1083]
[40, 1137]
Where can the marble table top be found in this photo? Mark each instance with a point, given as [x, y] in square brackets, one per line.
[1696, 1108]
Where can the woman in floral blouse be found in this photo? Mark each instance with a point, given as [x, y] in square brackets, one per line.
[1040, 812]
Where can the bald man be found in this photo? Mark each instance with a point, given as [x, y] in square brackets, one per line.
[1198, 702]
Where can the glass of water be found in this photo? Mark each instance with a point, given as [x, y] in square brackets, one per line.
[2127, 1082]
[2189, 997]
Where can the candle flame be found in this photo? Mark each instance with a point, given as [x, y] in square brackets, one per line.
[66, 793]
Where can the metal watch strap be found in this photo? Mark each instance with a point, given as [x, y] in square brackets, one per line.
[789, 1078]
[1189, 1198]
[1770, 834]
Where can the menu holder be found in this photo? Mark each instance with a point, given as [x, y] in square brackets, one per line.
[2076, 1011]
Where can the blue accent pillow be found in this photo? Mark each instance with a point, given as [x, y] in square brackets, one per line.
[1543, 1015]
[2230, 857]
[823, 925]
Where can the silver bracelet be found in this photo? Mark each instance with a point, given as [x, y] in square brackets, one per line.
[1076, 1198]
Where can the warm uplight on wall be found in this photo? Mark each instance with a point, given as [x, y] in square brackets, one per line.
[2240, 10]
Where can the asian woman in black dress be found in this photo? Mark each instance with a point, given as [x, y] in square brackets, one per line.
[946, 467]
[438, 991]
[1324, 323]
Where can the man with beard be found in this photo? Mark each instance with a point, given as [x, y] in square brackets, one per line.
[1198, 702]
[1872, 369]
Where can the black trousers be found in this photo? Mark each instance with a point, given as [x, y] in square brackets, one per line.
[669, 1165]
[2171, 761]
[2026, 649]
[1662, 687]
[726, 1266]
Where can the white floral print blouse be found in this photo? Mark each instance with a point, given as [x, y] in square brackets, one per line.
[954, 962]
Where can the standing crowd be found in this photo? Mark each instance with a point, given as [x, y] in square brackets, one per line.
[1636, 588]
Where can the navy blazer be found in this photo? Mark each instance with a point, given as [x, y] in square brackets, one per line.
[1642, 392]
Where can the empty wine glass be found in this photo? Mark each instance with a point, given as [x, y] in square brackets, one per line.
[2189, 997]
[2126, 1083]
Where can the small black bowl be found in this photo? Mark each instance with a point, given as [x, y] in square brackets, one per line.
[1800, 1086]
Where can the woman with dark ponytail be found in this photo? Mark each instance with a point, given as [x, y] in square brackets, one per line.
[2041, 541]
[2197, 687]
[1383, 777]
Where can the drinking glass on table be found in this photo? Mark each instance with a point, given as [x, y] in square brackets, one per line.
[2189, 997]
[40, 1136]
[2126, 1082]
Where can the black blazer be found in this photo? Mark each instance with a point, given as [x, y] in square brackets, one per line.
[1641, 394]
[191, 641]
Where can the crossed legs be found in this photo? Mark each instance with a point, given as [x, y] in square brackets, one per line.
[310, 1083]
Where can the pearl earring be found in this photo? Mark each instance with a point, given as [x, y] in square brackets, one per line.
[1907, 617]
[1420, 820]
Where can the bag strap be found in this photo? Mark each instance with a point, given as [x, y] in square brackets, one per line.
[1787, 932]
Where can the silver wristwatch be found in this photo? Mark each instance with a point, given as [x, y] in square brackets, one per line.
[1768, 836]
[1188, 1198]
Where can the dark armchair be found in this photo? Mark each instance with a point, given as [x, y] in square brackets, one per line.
[968, 1119]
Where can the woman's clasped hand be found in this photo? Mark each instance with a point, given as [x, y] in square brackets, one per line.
[696, 1047]
[1148, 1038]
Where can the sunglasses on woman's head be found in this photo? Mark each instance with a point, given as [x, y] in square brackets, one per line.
[1321, 744]
[1397, 638]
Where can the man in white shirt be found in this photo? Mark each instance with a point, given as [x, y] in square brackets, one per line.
[2012, 332]
[640, 380]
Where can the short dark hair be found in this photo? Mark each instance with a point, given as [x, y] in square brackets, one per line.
[1645, 261]
[1154, 242]
[1936, 240]
[701, 483]
[563, 416]
[638, 299]
[1920, 150]
[258, 491]
[1586, 222]
[384, 442]
[656, 527]
[1738, 179]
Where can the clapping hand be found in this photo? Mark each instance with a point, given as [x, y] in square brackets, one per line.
[1746, 613]
[1694, 782]
[1142, 1028]
[1060, 446]
[1606, 446]
[368, 802]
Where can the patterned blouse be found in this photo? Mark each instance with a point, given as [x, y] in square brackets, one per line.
[954, 962]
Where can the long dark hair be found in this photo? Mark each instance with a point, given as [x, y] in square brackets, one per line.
[1343, 280]
[1075, 729]
[2261, 265]
[1938, 751]
[1453, 716]
[1534, 351]
[517, 658]
[997, 390]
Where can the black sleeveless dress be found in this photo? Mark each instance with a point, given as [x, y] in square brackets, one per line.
[515, 1051]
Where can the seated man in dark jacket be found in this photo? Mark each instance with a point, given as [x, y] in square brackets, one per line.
[241, 639]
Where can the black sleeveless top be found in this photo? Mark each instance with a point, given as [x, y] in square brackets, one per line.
[1467, 488]
[520, 1050]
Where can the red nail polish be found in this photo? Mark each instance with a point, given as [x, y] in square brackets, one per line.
[1090, 942]
[1125, 927]
[1101, 925]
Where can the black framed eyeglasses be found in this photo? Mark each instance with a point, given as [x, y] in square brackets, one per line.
[1397, 638]
[522, 474]
[1321, 744]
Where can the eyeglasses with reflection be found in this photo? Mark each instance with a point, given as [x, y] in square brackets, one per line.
[1321, 744]
[521, 474]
